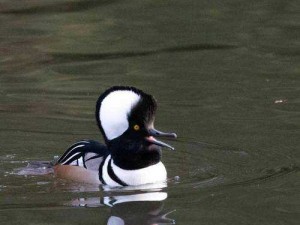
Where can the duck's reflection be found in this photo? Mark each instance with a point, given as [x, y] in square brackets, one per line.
[129, 206]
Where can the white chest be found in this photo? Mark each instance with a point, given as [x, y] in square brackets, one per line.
[150, 174]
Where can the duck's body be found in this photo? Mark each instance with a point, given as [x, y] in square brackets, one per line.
[131, 156]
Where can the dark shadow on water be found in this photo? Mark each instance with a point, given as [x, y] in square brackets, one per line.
[45, 132]
[143, 212]
[73, 57]
[68, 6]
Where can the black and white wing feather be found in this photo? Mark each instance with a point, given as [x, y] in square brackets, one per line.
[87, 153]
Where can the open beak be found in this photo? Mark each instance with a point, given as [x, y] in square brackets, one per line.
[155, 133]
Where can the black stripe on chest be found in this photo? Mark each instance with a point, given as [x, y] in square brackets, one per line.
[113, 176]
[110, 172]
[101, 171]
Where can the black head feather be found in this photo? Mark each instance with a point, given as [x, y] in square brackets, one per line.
[142, 113]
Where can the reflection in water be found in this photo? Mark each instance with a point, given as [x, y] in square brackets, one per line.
[139, 208]
[142, 204]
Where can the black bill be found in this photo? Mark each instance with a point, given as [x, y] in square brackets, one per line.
[155, 133]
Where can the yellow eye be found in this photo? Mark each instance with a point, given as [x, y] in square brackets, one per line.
[136, 127]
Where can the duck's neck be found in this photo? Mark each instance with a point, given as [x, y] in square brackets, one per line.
[127, 157]
[135, 161]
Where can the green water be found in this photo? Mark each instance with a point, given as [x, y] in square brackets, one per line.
[226, 77]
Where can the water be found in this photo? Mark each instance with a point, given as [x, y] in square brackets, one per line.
[226, 77]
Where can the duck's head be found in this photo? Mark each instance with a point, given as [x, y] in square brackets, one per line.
[125, 116]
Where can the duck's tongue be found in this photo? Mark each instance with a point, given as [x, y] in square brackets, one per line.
[155, 133]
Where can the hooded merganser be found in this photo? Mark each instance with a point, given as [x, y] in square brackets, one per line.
[131, 156]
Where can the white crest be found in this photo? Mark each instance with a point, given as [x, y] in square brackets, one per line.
[114, 110]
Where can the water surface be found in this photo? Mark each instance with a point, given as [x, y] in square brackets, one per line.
[226, 77]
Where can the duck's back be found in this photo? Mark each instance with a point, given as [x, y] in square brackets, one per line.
[81, 161]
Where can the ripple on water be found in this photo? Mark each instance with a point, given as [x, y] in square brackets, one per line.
[35, 168]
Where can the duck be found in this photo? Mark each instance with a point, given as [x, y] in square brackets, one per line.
[131, 154]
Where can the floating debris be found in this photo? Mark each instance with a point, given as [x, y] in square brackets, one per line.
[280, 101]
